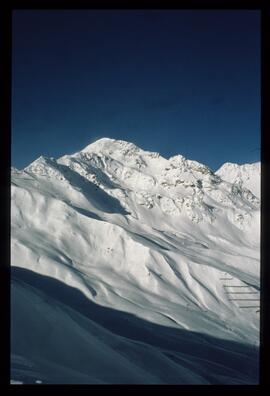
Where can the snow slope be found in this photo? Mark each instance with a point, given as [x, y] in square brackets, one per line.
[245, 175]
[167, 242]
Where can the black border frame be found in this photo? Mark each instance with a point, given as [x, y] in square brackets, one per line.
[5, 163]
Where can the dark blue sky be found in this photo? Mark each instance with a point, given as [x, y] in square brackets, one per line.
[177, 81]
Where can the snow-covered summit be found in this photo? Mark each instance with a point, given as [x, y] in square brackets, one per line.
[173, 186]
[153, 237]
[247, 175]
[107, 145]
[99, 145]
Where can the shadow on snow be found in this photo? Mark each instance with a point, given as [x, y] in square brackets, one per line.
[225, 356]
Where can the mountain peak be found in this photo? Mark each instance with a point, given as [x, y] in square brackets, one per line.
[147, 237]
[98, 144]
[247, 174]
[107, 144]
[229, 166]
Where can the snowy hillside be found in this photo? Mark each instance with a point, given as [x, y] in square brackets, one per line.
[245, 175]
[150, 266]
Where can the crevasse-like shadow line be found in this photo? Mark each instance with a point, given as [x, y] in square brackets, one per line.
[232, 355]
[99, 197]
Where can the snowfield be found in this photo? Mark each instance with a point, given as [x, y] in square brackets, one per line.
[131, 268]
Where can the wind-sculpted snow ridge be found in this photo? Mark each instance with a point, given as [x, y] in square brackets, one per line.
[166, 241]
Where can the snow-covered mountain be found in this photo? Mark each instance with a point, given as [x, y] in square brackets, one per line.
[132, 268]
[244, 175]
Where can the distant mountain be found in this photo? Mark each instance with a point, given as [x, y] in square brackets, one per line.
[247, 175]
[129, 253]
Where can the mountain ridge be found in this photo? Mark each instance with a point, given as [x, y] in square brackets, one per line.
[136, 232]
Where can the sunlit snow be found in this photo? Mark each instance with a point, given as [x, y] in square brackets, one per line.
[132, 268]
